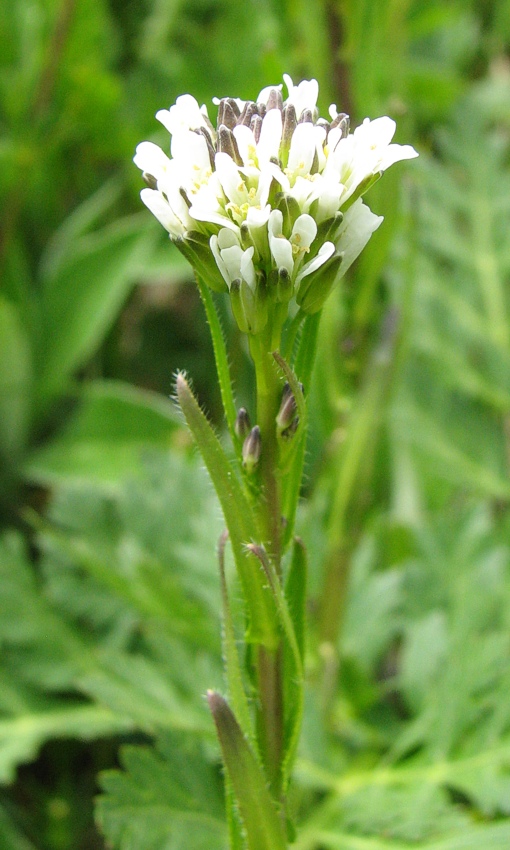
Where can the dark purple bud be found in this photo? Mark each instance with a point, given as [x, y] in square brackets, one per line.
[249, 110]
[289, 124]
[226, 114]
[306, 117]
[242, 424]
[323, 123]
[274, 100]
[201, 131]
[342, 120]
[184, 196]
[252, 448]
[256, 127]
[151, 181]
[227, 144]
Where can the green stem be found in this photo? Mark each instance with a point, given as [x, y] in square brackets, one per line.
[270, 714]
[268, 402]
[221, 360]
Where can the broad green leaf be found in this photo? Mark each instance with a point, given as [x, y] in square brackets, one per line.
[12, 838]
[165, 798]
[106, 439]
[83, 298]
[15, 383]
[494, 837]
[22, 735]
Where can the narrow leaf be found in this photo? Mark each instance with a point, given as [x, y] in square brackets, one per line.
[236, 690]
[238, 517]
[295, 592]
[264, 829]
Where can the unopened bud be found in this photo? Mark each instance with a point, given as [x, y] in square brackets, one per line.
[289, 125]
[290, 210]
[287, 419]
[227, 143]
[284, 286]
[228, 113]
[151, 181]
[249, 306]
[252, 448]
[274, 100]
[242, 424]
[249, 110]
[342, 120]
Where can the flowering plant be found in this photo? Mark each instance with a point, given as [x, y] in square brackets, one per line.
[268, 207]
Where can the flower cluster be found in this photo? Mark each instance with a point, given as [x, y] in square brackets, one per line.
[267, 204]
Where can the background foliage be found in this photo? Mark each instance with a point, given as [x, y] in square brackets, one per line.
[109, 593]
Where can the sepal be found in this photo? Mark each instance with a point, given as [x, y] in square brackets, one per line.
[195, 247]
[249, 306]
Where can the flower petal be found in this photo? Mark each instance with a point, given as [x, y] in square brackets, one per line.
[355, 230]
[160, 208]
[325, 252]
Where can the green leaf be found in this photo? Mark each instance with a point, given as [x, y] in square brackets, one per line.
[295, 592]
[81, 301]
[261, 820]
[15, 383]
[105, 440]
[236, 689]
[165, 798]
[22, 736]
[262, 626]
[495, 837]
[12, 838]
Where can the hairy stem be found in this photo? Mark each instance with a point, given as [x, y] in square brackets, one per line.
[269, 663]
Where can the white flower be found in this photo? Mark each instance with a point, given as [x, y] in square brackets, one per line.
[185, 114]
[266, 181]
[233, 262]
[303, 96]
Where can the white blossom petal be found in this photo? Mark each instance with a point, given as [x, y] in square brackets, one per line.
[356, 229]
[325, 252]
[230, 178]
[303, 96]
[185, 114]
[304, 231]
[151, 159]
[161, 209]
[245, 143]
[247, 268]
[264, 94]
[302, 150]
[280, 247]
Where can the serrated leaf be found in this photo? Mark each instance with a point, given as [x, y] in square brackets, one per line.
[166, 798]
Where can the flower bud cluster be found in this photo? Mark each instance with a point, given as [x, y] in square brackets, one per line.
[267, 204]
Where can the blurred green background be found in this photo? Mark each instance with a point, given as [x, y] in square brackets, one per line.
[109, 629]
